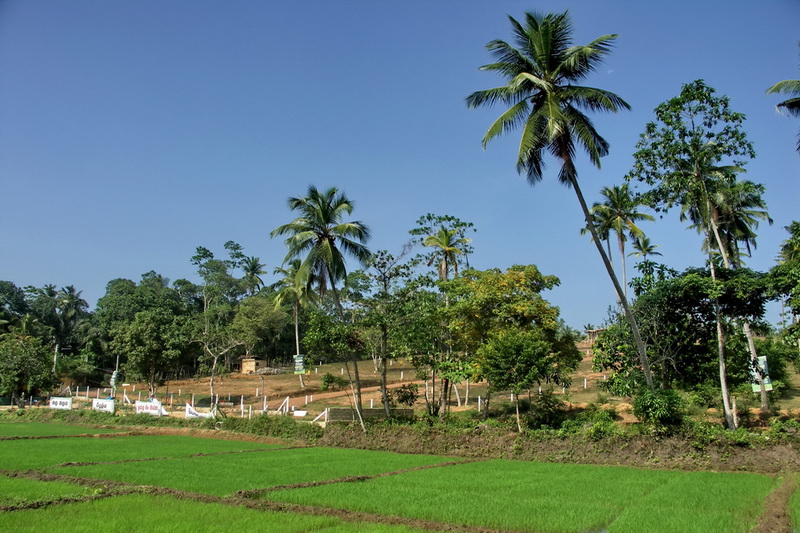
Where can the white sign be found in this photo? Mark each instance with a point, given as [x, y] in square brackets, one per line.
[151, 408]
[191, 413]
[61, 403]
[103, 405]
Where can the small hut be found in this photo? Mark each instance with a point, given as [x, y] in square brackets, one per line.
[251, 365]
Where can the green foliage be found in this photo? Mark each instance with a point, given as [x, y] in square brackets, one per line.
[661, 408]
[406, 394]
[25, 366]
[284, 427]
[331, 382]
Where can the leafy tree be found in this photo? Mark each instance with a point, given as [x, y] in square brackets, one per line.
[790, 249]
[682, 156]
[221, 292]
[153, 342]
[24, 365]
[258, 323]
[792, 105]
[500, 321]
[543, 72]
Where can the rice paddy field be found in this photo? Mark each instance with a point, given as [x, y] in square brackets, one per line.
[55, 476]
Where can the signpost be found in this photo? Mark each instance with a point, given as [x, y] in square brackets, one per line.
[103, 405]
[299, 364]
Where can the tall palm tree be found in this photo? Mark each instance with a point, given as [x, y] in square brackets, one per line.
[543, 70]
[253, 269]
[448, 249]
[320, 233]
[619, 213]
[792, 105]
[293, 290]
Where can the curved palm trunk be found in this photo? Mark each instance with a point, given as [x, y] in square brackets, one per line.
[624, 268]
[637, 336]
[730, 420]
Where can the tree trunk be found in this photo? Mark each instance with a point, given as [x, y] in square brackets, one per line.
[384, 389]
[748, 332]
[640, 347]
[721, 338]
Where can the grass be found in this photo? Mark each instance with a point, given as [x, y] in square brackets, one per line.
[225, 474]
[18, 490]
[43, 453]
[554, 497]
[164, 513]
[32, 429]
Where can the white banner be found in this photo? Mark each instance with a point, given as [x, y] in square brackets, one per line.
[61, 403]
[103, 405]
[151, 408]
[191, 413]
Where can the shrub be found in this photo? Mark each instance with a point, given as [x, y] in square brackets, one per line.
[661, 409]
[331, 382]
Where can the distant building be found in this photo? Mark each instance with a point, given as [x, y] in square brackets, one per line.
[252, 365]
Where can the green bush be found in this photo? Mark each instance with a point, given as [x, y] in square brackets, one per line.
[331, 382]
[661, 409]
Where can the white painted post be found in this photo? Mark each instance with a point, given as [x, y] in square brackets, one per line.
[256, 392]
[343, 371]
[179, 393]
[140, 396]
[171, 394]
[306, 400]
[315, 370]
[604, 377]
[312, 398]
[87, 392]
[480, 403]
[512, 397]
[242, 405]
[371, 403]
[192, 399]
[250, 413]
[98, 393]
[540, 390]
[401, 375]
[563, 390]
[134, 387]
[584, 383]
[264, 409]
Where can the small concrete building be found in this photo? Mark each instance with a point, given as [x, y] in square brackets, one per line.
[252, 365]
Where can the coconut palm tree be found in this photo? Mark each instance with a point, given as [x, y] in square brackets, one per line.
[642, 247]
[792, 105]
[790, 248]
[543, 71]
[323, 237]
[619, 213]
[448, 249]
[294, 291]
[253, 269]
[320, 234]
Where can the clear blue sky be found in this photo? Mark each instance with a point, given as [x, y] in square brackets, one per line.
[132, 132]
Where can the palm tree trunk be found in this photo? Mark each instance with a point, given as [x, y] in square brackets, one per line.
[748, 332]
[297, 338]
[624, 268]
[721, 339]
[637, 336]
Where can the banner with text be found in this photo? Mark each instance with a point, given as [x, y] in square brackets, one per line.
[103, 405]
[61, 403]
[191, 413]
[151, 408]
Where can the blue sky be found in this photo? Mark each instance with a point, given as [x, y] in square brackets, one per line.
[132, 132]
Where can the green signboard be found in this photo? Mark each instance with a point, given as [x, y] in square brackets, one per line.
[299, 364]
